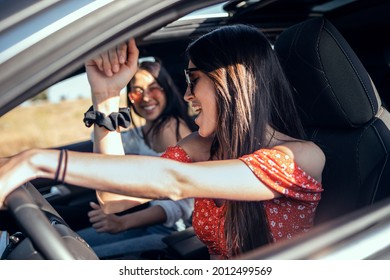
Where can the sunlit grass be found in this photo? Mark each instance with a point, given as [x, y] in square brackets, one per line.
[43, 125]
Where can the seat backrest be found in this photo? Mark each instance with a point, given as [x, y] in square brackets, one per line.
[342, 113]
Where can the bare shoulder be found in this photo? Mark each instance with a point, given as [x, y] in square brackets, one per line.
[168, 135]
[197, 147]
[307, 155]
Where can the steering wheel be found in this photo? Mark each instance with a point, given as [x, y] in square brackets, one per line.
[48, 235]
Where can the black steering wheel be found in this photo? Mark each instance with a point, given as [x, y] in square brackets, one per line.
[47, 236]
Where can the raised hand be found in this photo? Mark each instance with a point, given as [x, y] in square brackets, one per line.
[112, 70]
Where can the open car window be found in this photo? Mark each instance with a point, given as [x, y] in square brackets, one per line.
[53, 118]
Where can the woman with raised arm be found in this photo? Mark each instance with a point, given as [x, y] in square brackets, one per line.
[254, 179]
[154, 97]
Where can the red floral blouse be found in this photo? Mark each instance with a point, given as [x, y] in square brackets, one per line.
[287, 216]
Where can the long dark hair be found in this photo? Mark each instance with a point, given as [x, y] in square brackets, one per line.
[175, 106]
[252, 93]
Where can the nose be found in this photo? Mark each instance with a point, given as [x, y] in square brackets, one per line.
[188, 96]
[145, 95]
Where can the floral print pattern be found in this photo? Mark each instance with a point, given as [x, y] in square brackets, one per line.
[287, 216]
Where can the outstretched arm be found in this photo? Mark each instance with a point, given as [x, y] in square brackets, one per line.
[139, 176]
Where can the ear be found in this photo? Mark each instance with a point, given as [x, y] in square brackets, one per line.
[131, 99]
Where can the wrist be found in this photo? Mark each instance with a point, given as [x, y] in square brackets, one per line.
[37, 163]
[106, 104]
[126, 222]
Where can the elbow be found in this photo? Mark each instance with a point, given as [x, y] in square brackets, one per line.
[176, 194]
[113, 203]
[107, 209]
[105, 205]
[178, 186]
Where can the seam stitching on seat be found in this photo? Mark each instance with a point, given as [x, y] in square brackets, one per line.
[324, 74]
[383, 167]
[353, 67]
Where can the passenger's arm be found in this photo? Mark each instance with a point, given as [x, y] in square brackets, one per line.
[106, 86]
[113, 223]
[175, 210]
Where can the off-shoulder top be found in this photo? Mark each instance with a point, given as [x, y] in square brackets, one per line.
[287, 216]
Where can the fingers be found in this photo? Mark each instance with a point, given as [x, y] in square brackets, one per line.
[106, 64]
[96, 214]
[121, 52]
[110, 61]
[99, 227]
[102, 222]
[98, 220]
[117, 56]
[94, 219]
[132, 54]
[103, 225]
[94, 205]
[98, 61]
[96, 209]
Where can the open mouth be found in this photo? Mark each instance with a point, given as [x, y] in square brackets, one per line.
[197, 109]
[149, 107]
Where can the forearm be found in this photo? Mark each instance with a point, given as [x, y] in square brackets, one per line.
[160, 178]
[139, 176]
[105, 141]
[123, 175]
[110, 142]
[107, 74]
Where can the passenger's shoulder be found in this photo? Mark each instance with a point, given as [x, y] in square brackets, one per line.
[196, 146]
[171, 126]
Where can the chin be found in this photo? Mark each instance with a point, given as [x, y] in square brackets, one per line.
[203, 133]
[152, 116]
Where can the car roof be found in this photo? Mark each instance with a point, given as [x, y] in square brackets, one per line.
[51, 55]
[72, 22]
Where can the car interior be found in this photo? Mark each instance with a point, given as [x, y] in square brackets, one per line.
[342, 86]
[342, 113]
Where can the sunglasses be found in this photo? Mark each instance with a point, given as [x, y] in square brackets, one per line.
[138, 93]
[187, 73]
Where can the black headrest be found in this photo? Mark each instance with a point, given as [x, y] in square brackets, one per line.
[333, 87]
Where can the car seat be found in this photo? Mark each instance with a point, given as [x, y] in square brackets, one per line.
[341, 112]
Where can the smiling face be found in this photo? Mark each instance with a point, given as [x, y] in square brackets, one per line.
[202, 98]
[147, 96]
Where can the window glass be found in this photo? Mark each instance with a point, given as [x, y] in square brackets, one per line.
[52, 118]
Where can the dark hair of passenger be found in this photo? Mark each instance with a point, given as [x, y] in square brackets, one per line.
[252, 93]
[175, 106]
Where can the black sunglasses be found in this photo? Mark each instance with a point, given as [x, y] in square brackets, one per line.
[187, 73]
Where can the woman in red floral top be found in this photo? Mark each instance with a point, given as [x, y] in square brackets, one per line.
[254, 179]
[286, 216]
